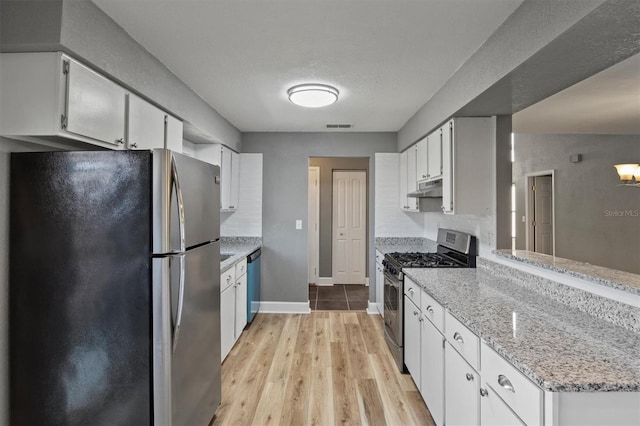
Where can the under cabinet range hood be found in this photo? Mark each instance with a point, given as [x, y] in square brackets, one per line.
[432, 189]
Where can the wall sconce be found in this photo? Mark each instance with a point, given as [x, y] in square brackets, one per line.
[629, 174]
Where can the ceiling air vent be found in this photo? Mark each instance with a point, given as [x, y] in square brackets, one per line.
[339, 126]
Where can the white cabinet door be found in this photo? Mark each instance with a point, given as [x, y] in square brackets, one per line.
[380, 288]
[447, 168]
[173, 134]
[225, 178]
[403, 181]
[434, 155]
[227, 321]
[95, 106]
[412, 181]
[235, 181]
[432, 370]
[240, 306]
[412, 339]
[422, 162]
[145, 125]
[461, 391]
[494, 412]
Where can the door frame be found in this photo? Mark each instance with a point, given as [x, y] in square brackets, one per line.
[365, 210]
[528, 205]
[313, 235]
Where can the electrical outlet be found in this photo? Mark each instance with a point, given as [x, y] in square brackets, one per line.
[298, 224]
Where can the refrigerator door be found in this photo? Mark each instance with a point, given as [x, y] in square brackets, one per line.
[80, 288]
[186, 328]
[186, 202]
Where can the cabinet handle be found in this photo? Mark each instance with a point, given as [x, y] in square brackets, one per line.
[424, 176]
[421, 319]
[505, 383]
[430, 309]
[232, 207]
[469, 377]
[458, 337]
[411, 290]
[134, 145]
[120, 141]
[415, 313]
[484, 392]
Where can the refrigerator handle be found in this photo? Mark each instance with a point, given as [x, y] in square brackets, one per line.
[176, 182]
[176, 328]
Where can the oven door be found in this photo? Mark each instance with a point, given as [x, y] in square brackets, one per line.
[393, 315]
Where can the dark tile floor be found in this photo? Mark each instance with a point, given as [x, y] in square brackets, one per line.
[339, 297]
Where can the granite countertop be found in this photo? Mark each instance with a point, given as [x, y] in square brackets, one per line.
[621, 280]
[558, 347]
[405, 245]
[238, 246]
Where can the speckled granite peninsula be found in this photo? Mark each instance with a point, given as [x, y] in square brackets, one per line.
[238, 247]
[559, 347]
[598, 274]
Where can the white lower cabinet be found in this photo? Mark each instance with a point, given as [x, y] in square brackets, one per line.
[380, 283]
[240, 306]
[227, 318]
[412, 318]
[462, 390]
[432, 369]
[494, 412]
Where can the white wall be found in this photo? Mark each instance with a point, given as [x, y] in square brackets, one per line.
[390, 220]
[246, 221]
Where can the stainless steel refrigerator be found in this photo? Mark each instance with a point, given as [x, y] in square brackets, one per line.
[114, 289]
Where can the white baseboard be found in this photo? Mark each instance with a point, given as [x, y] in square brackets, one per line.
[325, 281]
[372, 309]
[366, 281]
[285, 307]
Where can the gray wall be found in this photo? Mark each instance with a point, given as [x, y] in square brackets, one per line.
[586, 196]
[285, 171]
[81, 29]
[327, 166]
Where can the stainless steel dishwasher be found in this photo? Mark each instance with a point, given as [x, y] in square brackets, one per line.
[253, 284]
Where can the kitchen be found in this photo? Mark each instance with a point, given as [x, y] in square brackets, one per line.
[476, 84]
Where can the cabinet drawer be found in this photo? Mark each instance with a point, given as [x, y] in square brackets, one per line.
[227, 278]
[432, 310]
[412, 291]
[463, 340]
[518, 392]
[241, 268]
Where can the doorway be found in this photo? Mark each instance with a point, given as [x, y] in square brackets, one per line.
[330, 292]
[540, 213]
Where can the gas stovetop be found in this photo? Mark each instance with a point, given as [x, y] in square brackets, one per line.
[423, 260]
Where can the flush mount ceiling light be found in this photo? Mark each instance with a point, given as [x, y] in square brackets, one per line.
[313, 95]
[627, 173]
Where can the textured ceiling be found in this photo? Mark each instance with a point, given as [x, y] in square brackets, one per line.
[386, 57]
[605, 103]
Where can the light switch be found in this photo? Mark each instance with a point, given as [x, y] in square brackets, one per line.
[298, 224]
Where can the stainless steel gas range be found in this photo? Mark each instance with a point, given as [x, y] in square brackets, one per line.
[455, 250]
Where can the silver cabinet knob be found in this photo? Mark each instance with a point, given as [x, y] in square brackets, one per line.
[120, 141]
[134, 145]
[430, 309]
[469, 377]
[483, 392]
[411, 290]
[415, 313]
[505, 383]
[458, 337]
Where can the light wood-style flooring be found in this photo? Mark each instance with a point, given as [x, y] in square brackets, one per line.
[324, 368]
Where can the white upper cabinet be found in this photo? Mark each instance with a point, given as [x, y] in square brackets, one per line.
[468, 165]
[173, 134]
[434, 155]
[408, 180]
[146, 125]
[52, 97]
[229, 162]
[422, 161]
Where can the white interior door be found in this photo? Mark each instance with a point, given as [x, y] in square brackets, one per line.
[313, 222]
[349, 227]
[543, 214]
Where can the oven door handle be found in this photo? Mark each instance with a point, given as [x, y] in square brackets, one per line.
[391, 280]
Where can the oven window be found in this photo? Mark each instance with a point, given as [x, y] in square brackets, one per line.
[390, 295]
